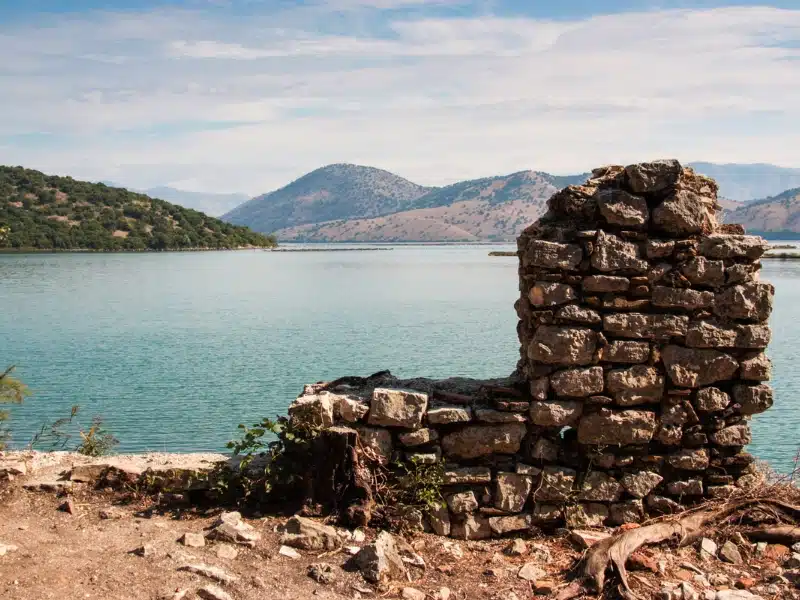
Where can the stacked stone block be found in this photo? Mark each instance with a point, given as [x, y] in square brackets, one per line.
[643, 326]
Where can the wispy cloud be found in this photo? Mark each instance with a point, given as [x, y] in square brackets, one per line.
[246, 103]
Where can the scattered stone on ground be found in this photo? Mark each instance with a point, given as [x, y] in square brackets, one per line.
[531, 572]
[226, 551]
[380, 561]
[211, 572]
[193, 540]
[212, 592]
[306, 534]
[322, 573]
[289, 552]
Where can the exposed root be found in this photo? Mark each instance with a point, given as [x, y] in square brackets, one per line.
[616, 550]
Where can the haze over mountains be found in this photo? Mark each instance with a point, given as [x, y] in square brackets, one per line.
[344, 202]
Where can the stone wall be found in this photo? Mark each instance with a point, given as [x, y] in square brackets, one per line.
[643, 325]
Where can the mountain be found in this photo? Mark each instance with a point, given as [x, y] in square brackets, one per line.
[44, 212]
[493, 208]
[354, 203]
[743, 182]
[210, 204]
[780, 213]
[340, 191]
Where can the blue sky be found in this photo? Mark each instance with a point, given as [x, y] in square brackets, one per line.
[245, 95]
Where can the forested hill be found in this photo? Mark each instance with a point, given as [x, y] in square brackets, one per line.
[44, 212]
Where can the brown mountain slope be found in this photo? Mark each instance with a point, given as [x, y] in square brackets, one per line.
[495, 208]
[778, 213]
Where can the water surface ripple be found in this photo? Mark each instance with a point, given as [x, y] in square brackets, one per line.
[174, 350]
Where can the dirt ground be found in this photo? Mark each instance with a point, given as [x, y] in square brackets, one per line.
[78, 556]
[48, 552]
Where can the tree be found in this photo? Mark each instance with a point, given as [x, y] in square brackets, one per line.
[11, 390]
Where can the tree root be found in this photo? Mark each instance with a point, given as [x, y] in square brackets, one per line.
[616, 550]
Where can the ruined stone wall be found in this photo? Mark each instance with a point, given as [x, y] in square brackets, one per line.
[642, 330]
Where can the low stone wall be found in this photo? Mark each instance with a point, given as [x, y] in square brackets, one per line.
[643, 325]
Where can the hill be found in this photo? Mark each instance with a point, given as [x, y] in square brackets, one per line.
[44, 212]
[340, 191]
[492, 208]
[744, 182]
[354, 203]
[780, 213]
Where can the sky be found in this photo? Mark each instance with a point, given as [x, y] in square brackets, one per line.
[247, 95]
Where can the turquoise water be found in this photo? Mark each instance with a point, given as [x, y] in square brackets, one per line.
[174, 350]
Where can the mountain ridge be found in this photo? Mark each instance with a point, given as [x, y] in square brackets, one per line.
[341, 202]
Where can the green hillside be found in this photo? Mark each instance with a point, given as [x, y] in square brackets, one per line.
[43, 212]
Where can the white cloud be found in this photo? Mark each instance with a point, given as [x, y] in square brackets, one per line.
[248, 104]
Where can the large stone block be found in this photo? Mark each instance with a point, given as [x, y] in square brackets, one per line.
[645, 326]
[630, 511]
[378, 440]
[445, 415]
[590, 514]
[639, 384]
[463, 502]
[552, 255]
[621, 351]
[612, 253]
[756, 368]
[578, 314]
[546, 293]
[750, 301]
[711, 399]
[617, 428]
[685, 213]
[555, 413]
[606, 283]
[653, 176]
[690, 459]
[642, 483]
[503, 525]
[684, 298]
[723, 245]
[689, 367]
[599, 487]
[557, 345]
[579, 382]
[705, 334]
[418, 437]
[735, 435]
[702, 271]
[471, 527]
[312, 411]
[481, 440]
[397, 408]
[753, 399]
[556, 484]
[618, 207]
[512, 491]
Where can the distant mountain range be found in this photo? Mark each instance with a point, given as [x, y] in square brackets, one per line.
[211, 204]
[344, 202]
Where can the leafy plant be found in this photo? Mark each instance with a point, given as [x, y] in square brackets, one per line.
[420, 484]
[96, 441]
[11, 391]
[265, 463]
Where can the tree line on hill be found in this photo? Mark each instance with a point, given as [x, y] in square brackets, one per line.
[43, 212]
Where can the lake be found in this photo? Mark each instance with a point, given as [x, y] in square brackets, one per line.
[174, 350]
